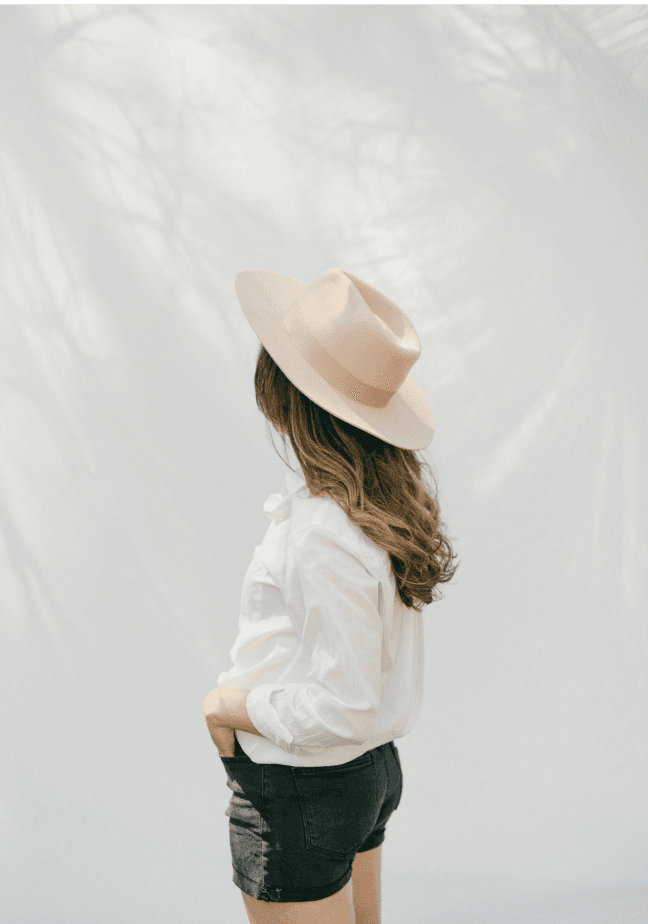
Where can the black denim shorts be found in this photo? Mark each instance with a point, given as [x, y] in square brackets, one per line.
[294, 831]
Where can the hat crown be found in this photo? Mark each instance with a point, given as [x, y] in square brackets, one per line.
[358, 339]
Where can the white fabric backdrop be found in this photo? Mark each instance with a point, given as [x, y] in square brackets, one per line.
[487, 168]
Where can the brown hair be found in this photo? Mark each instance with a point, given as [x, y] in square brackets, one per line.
[378, 485]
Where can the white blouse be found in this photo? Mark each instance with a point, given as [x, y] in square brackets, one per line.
[333, 659]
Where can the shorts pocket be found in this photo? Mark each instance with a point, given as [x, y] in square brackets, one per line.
[339, 805]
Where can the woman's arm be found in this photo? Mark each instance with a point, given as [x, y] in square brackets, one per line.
[226, 706]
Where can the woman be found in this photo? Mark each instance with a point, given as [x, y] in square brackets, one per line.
[328, 664]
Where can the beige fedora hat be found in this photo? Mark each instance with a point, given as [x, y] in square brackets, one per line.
[346, 346]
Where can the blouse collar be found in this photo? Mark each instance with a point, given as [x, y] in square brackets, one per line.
[277, 506]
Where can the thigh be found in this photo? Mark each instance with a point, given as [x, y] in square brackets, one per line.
[367, 886]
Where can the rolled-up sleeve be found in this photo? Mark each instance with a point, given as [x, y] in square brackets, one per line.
[333, 601]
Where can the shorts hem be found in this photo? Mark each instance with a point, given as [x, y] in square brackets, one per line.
[373, 842]
[254, 890]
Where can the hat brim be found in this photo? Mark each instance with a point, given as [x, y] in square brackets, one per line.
[407, 421]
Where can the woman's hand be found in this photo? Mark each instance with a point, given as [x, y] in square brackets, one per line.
[222, 736]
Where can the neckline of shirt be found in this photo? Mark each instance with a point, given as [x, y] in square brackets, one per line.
[277, 505]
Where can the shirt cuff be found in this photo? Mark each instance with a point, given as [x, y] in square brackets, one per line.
[265, 717]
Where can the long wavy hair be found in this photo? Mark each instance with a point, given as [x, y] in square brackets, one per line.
[379, 486]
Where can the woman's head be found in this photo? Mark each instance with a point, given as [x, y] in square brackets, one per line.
[378, 485]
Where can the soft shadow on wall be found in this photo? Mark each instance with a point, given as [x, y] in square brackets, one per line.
[487, 167]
